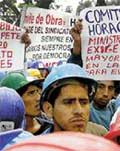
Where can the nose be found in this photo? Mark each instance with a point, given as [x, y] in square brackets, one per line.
[105, 92]
[78, 109]
[38, 95]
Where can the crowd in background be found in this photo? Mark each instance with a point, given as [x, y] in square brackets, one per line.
[44, 100]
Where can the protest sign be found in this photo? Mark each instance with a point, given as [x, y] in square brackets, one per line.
[11, 50]
[49, 33]
[101, 42]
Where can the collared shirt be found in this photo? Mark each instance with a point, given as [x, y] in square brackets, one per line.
[92, 128]
[103, 116]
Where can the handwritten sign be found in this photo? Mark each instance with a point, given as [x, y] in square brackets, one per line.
[101, 42]
[11, 50]
[49, 32]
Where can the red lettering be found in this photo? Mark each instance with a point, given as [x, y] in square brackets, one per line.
[5, 63]
[29, 19]
[102, 49]
[8, 27]
[54, 21]
[39, 19]
[97, 72]
[92, 65]
[2, 64]
[6, 54]
[115, 71]
[9, 63]
[50, 64]
[9, 35]
[3, 44]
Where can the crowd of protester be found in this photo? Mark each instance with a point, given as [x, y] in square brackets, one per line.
[64, 98]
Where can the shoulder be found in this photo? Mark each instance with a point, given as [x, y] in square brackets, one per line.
[114, 104]
[96, 129]
[25, 134]
[21, 137]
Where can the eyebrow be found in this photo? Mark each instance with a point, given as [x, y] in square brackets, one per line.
[30, 91]
[105, 85]
[73, 99]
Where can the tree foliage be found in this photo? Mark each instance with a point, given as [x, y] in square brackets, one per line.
[10, 13]
[101, 3]
[43, 3]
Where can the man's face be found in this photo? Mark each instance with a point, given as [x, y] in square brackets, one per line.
[104, 94]
[31, 100]
[44, 73]
[71, 108]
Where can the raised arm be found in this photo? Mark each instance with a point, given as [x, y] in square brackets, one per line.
[76, 35]
[76, 56]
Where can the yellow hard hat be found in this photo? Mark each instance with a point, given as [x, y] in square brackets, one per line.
[34, 73]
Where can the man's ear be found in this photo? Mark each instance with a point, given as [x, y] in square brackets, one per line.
[48, 109]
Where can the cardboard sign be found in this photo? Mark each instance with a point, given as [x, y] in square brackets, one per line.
[49, 32]
[101, 42]
[11, 50]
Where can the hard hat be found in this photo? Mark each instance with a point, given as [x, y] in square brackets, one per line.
[114, 131]
[64, 72]
[60, 62]
[17, 80]
[35, 64]
[2, 75]
[34, 73]
[65, 141]
[28, 63]
[14, 80]
[12, 109]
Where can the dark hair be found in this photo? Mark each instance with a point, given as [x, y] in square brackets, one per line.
[55, 93]
[117, 86]
[52, 97]
[23, 89]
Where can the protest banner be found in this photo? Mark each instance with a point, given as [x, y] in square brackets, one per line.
[101, 42]
[11, 50]
[49, 33]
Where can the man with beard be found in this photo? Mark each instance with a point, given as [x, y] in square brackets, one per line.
[66, 95]
[76, 58]
[102, 108]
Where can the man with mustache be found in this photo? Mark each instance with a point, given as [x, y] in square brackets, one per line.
[66, 96]
[102, 108]
[76, 57]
